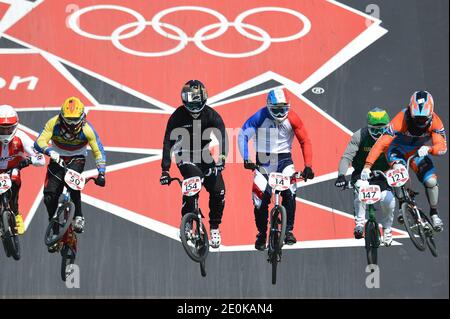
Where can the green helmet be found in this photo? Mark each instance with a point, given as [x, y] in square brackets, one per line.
[377, 122]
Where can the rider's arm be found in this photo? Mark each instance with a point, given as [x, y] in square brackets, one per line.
[96, 146]
[438, 137]
[350, 152]
[397, 125]
[302, 137]
[41, 143]
[248, 130]
[168, 142]
[37, 159]
[218, 123]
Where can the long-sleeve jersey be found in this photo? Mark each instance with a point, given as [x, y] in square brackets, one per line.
[20, 147]
[77, 146]
[272, 137]
[356, 153]
[398, 134]
[189, 136]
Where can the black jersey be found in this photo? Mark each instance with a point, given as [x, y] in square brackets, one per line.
[189, 137]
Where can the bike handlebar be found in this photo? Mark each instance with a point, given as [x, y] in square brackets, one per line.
[298, 175]
[63, 164]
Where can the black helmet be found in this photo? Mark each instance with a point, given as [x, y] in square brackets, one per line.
[194, 96]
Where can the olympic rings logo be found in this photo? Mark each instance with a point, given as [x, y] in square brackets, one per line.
[133, 29]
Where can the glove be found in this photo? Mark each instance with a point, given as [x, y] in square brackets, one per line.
[423, 151]
[365, 174]
[24, 163]
[54, 156]
[248, 164]
[220, 166]
[340, 181]
[165, 178]
[100, 181]
[307, 173]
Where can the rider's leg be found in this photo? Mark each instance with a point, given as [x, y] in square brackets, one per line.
[387, 204]
[53, 186]
[215, 186]
[359, 209]
[426, 173]
[14, 203]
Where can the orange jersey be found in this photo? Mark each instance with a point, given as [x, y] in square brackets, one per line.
[398, 134]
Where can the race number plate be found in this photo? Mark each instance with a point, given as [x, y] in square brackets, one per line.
[370, 194]
[397, 177]
[191, 186]
[279, 181]
[74, 180]
[5, 183]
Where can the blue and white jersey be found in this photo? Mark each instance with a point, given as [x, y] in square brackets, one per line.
[274, 137]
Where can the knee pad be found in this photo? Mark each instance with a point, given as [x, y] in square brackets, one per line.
[431, 181]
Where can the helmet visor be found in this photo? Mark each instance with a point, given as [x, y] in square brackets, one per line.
[193, 101]
[279, 111]
[421, 121]
[376, 132]
[7, 129]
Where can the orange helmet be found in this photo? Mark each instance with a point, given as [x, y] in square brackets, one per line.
[421, 108]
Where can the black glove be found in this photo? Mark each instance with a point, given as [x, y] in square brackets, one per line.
[248, 164]
[340, 181]
[24, 163]
[307, 173]
[100, 180]
[165, 178]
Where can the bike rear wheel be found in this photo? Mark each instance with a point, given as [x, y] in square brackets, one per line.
[10, 237]
[195, 243]
[372, 238]
[59, 224]
[203, 268]
[413, 228]
[68, 259]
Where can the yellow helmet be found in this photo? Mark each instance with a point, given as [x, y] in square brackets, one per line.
[72, 114]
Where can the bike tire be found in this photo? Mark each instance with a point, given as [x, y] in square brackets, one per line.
[50, 239]
[10, 238]
[68, 258]
[200, 250]
[203, 268]
[409, 221]
[429, 236]
[274, 272]
[372, 239]
[277, 214]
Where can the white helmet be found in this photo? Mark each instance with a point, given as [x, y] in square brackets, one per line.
[9, 120]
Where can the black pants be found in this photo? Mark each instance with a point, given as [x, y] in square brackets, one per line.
[213, 184]
[54, 184]
[13, 197]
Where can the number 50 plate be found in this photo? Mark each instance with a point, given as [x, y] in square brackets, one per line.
[74, 180]
[370, 194]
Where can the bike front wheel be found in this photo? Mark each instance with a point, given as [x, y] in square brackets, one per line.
[277, 234]
[413, 227]
[429, 235]
[10, 237]
[372, 238]
[194, 237]
[59, 224]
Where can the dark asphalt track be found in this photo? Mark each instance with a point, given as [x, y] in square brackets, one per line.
[120, 259]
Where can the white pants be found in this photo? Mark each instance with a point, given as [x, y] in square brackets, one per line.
[387, 204]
